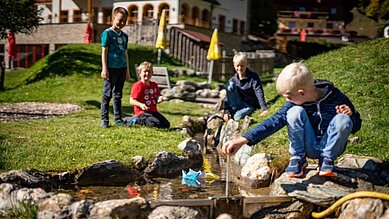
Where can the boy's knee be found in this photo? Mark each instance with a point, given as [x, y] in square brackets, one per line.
[240, 114]
[342, 122]
[294, 114]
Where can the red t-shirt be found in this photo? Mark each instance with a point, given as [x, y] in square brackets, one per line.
[147, 94]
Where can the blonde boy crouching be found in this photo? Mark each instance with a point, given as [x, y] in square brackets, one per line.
[318, 116]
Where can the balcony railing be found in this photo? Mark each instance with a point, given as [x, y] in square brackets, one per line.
[303, 14]
[317, 31]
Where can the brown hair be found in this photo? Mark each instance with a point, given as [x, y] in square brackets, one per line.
[117, 10]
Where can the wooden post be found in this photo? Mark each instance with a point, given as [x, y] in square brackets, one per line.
[90, 10]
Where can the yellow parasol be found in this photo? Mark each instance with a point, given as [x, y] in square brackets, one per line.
[214, 48]
[213, 54]
[162, 42]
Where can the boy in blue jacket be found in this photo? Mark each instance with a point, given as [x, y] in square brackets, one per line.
[244, 91]
[318, 116]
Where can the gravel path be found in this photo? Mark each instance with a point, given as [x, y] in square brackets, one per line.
[10, 112]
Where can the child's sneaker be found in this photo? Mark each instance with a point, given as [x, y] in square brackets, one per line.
[327, 167]
[119, 122]
[296, 167]
[104, 124]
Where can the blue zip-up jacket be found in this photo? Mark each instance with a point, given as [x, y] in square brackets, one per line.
[250, 89]
[320, 113]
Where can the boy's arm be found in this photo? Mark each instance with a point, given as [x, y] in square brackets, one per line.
[257, 85]
[268, 126]
[128, 68]
[135, 102]
[104, 64]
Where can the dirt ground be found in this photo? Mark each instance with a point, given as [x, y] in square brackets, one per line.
[10, 112]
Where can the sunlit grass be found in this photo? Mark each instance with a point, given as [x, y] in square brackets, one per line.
[76, 140]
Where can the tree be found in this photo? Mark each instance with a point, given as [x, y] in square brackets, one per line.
[21, 16]
[374, 9]
[263, 17]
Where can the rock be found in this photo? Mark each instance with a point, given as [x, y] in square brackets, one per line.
[5, 196]
[106, 173]
[81, 209]
[256, 172]
[57, 206]
[29, 196]
[190, 147]
[296, 209]
[27, 178]
[119, 208]
[178, 212]
[188, 83]
[139, 162]
[167, 165]
[214, 94]
[362, 208]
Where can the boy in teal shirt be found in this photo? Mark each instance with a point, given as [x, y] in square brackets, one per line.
[115, 70]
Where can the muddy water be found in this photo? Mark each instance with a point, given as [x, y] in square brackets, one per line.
[170, 189]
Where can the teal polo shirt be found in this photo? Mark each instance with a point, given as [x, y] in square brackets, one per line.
[117, 47]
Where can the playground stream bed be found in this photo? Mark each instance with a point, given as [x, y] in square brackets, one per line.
[169, 189]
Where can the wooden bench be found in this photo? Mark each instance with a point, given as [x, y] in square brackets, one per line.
[160, 76]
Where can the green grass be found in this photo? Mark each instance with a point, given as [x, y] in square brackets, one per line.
[72, 75]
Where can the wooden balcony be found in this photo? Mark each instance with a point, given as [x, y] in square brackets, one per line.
[303, 14]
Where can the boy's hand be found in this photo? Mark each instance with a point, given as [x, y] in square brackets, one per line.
[143, 106]
[263, 113]
[226, 117]
[232, 146]
[104, 74]
[344, 109]
[128, 75]
[160, 99]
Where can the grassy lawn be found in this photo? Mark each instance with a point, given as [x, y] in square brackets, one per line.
[72, 75]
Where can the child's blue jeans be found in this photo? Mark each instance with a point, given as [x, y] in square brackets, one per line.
[303, 141]
[239, 108]
[113, 87]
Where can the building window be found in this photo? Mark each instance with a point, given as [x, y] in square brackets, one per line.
[292, 24]
[76, 16]
[333, 10]
[330, 25]
[242, 27]
[222, 22]
[184, 14]
[165, 7]
[196, 16]
[310, 24]
[107, 15]
[235, 25]
[63, 16]
[133, 14]
[148, 11]
[301, 8]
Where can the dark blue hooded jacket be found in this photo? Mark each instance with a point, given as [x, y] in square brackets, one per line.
[320, 113]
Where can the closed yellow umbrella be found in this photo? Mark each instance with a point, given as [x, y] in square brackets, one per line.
[161, 42]
[214, 48]
[213, 54]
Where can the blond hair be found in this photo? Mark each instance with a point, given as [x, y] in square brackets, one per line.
[145, 65]
[240, 58]
[294, 76]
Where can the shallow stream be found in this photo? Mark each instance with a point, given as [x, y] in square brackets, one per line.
[173, 189]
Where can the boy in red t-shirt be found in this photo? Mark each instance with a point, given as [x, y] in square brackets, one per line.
[145, 95]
